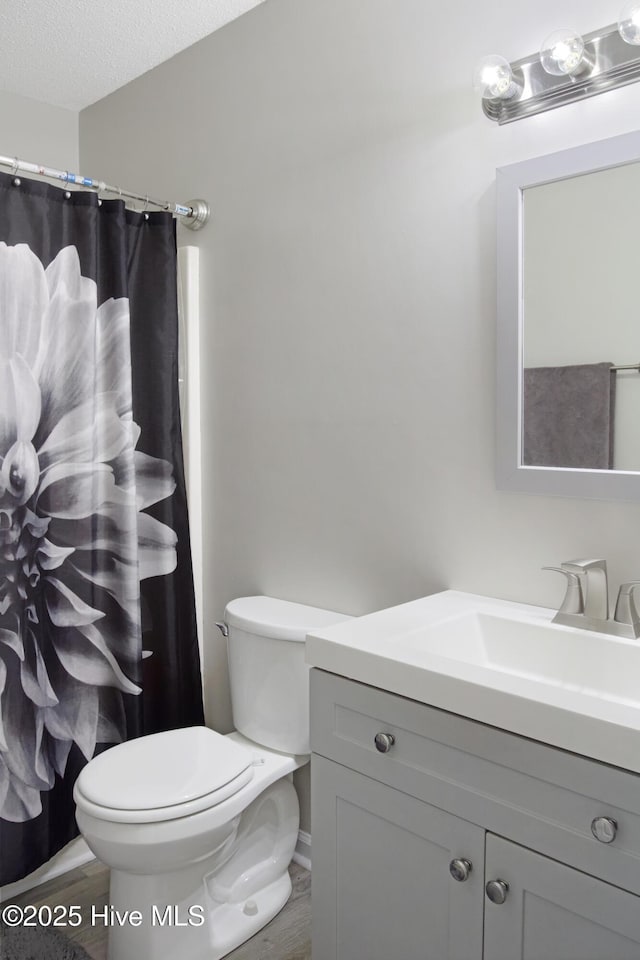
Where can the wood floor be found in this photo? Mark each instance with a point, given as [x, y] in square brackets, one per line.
[287, 937]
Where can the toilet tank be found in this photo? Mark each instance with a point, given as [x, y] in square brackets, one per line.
[268, 675]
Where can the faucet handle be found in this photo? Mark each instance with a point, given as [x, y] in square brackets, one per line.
[573, 600]
[594, 584]
[626, 610]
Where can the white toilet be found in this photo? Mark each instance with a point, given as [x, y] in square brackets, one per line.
[199, 828]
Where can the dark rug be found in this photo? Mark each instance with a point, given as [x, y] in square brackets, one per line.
[38, 943]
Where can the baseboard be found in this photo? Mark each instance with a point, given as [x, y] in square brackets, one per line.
[303, 850]
[74, 855]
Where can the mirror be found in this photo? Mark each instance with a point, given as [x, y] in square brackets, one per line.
[568, 375]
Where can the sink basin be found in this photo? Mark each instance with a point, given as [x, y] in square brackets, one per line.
[499, 662]
[595, 664]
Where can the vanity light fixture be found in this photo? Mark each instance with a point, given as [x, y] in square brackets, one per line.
[567, 68]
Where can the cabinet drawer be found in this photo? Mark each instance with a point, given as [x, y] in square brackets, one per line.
[538, 796]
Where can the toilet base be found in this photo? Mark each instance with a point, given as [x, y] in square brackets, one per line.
[209, 908]
[231, 925]
[176, 933]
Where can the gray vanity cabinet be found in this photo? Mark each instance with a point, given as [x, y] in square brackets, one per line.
[394, 824]
[382, 863]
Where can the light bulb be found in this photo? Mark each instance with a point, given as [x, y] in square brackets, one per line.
[562, 53]
[493, 78]
[629, 22]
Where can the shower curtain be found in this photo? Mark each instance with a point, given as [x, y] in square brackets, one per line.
[97, 621]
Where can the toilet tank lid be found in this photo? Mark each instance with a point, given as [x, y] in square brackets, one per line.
[278, 619]
[163, 769]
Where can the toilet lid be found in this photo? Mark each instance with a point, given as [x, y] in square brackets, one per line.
[278, 619]
[164, 769]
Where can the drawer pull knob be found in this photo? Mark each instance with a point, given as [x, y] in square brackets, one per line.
[384, 742]
[460, 870]
[497, 891]
[604, 829]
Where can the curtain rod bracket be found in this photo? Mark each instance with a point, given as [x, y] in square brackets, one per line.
[200, 213]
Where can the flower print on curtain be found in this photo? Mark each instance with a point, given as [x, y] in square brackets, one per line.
[92, 504]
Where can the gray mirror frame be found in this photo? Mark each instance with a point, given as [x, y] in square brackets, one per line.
[511, 181]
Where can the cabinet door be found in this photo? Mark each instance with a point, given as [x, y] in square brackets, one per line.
[553, 912]
[381, 886]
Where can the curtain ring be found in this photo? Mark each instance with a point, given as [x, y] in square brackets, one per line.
[144, 209]
[96, 186]
[16, 164]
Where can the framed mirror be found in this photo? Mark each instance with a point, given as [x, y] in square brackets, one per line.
[568, 309]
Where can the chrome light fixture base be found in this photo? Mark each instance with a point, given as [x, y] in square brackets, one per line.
[614, 64]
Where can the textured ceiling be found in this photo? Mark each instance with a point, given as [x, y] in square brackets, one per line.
[70, 53]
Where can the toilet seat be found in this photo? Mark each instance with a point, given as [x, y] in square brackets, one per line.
[163, 776]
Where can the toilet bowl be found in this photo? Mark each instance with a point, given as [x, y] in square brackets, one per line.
[199, 828]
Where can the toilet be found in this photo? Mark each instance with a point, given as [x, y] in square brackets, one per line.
[198, 828]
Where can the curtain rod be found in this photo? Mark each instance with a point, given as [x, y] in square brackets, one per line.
[628, 366]
[195, 213]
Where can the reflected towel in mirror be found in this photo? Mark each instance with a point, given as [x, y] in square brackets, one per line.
[568, 416]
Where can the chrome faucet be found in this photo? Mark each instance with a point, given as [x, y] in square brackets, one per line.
[586, 602]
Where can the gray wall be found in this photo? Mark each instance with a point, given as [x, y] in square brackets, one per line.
[37, 132]
[348, 299]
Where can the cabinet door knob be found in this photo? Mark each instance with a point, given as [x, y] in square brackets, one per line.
[384, 742]
[497, 891]
[460, 870]
[604, 829]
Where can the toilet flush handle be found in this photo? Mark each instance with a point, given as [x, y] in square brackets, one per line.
[222, 627]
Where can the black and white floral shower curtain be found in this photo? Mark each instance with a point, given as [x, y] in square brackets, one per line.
[97, 622]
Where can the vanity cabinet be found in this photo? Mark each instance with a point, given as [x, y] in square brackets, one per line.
[405, 840]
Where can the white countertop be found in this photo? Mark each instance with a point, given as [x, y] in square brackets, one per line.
[418, 650]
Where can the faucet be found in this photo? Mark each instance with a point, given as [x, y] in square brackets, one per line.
[586, 602]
